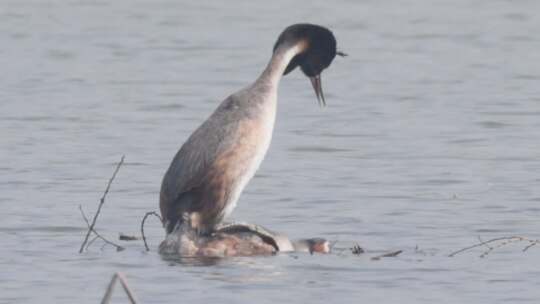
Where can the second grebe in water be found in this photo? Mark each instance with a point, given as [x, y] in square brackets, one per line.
[209, 172]
[238, 239]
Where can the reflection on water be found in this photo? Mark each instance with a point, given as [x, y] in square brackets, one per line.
[192, 261]
[429, 140]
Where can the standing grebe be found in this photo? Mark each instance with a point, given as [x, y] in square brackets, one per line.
[209, 172]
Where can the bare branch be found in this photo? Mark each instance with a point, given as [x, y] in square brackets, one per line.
[387, 255]
[101, 202]
[125, 237]
[532, 243]
[501, 244]
[142, 226]
[91, 242]
[108, 294]
[482, 241]
[118, 247]
[498, 243]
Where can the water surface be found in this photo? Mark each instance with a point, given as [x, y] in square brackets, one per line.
[430, 139]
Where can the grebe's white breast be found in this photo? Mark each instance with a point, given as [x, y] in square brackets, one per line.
[255, 133]
[255, 136]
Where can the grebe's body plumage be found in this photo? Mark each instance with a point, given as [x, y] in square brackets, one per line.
[209, 172]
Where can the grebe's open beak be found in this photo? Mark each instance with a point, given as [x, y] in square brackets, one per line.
[316, 83]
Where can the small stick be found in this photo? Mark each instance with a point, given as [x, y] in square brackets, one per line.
[504, 238]
[482, 241]
[118, 247]
[101, 202]
[91, 242]
[125, 237]
[142, 226]
[387, 255]
[502, 244]
[108, 294]
[532, 243]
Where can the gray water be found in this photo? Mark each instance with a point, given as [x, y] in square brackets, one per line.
[430, 140]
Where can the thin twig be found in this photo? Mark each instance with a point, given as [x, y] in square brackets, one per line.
[508, 239]
[125, 237]
[482, 241]
[532, 243]
[101, 202]
[108, 294]
[91, 242]
[387, 255]
[118, 247]
[142, 226]
[501, 244]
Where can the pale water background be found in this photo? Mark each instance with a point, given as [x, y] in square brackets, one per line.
[431, 138]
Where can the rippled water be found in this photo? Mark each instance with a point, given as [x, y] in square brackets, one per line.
[431, 139]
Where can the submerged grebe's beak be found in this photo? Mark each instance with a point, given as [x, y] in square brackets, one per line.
[316, 83]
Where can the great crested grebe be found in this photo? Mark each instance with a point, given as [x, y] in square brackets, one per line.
[237, 239]
[209, 172]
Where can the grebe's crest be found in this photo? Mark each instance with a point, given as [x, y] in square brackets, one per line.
[320, 47]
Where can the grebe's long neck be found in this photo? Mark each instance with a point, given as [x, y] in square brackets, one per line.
[261, 103]
[278, 63]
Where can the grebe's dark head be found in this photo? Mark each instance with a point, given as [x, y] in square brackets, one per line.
[319, 49]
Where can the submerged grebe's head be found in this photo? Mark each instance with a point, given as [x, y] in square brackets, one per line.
[318, 51]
